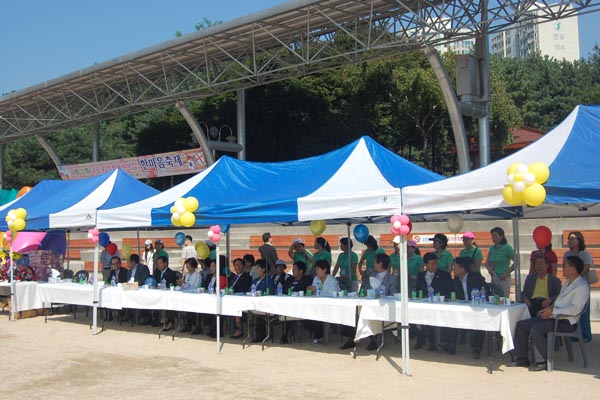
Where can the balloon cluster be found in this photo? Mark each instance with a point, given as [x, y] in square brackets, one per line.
[214, 233]
[104, 241]
[16, 219]
[183, 211]
[525, 184]
[401, 225]
[8, 236]
[93, 235]
[317, 227]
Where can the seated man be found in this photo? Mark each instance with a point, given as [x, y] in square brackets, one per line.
[540, 288]
[121, 275]
[441, 282]
[138, 272]
[391, 284]
[465, 281]
[572, 299]
[164, 272]
[240, 283]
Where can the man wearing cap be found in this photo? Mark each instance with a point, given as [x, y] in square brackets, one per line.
[472, 251]
[445, 259]
[298, 252]
[268, 252]
[465, 281]
[279, 276]
[187, 251]
[441, 283]
[159, 252]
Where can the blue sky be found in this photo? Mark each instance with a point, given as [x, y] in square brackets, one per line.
[45, 39]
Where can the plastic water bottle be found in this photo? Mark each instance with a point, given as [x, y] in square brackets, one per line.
[92, 278]
[318, 290]
[253, 289]
[381, 291]
[163, 284]
[430, 294]
[113, 281]
[473, 293]
[279, 289]
[483, 295]
[477, 297]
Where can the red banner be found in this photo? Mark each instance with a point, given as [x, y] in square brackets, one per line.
[142, 167]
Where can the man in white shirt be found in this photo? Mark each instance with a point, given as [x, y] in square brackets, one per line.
[572, 299]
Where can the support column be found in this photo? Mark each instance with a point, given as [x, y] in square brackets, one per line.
[458, 126]
[50, 150]
[197, 131]
[96, 141]
[2, 148]
[483, 53]
[241, 122]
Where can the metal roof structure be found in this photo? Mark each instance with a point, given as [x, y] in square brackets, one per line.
[296, 38]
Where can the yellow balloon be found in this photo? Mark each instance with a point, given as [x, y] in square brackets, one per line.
[540, 170]
[190, 204]
[173, 209]
[534, 195]
[19, 224]
[11, 215]
[511, 197]
[126, 251]
[513, 168]
[518, 177]
[176, 222]
[21, 213]
[318, 226]
[202, 249]
[187, 219]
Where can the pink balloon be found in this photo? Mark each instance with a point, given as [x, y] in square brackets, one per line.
[216, 229]
[404, 220]
[404, 230]
[215, 238]
[94, 232]
[395, 231]
[94, 239]
[394, 218]
[27, 241]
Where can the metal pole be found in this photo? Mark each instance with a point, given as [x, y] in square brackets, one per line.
[13, 284]
[484, 56]
[96, 141]
[218, 293]
[517, 262]
[197, 130]
[349, 258]
[404, 306]
[96, 294]
[241, 122]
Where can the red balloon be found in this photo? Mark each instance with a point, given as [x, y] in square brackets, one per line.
[23, 190]
[542, 236]
[112, 249]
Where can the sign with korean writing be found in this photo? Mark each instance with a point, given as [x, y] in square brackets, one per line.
[142, 167]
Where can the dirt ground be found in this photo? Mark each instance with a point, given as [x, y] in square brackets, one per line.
[62, 360]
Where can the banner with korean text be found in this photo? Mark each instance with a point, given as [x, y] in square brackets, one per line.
[151, 166]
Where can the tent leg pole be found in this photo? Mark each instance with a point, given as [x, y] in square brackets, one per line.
[517, 263]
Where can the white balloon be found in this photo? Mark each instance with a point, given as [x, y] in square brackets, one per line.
[397, 224]
[210, 233]
[181, 209]
[455, 223]
[510, 178]
[178, 203]
[529, 178]
[522, 168]
[519, 187]
[10, 222]
[176, 216]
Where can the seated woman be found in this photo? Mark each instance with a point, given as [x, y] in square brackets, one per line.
[279, 276]
[191, 281]
[327, 285]
[265, 285]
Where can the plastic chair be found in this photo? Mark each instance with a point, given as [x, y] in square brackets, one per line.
[67, 274]
[552, 336]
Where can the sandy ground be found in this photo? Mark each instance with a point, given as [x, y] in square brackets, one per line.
[62, 360]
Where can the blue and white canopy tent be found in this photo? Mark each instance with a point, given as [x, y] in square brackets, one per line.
[358, 182]
[573, 189]
[54, 204]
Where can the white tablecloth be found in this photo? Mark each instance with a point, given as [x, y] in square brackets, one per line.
[26, 296]
[488, 317]
[68, 293]
[325, 309]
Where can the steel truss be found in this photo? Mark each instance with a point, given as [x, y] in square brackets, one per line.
[294, 39]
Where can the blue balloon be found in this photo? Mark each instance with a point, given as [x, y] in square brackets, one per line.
[361, 233]
[103, 239]
[180, 238]
[225, 228]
